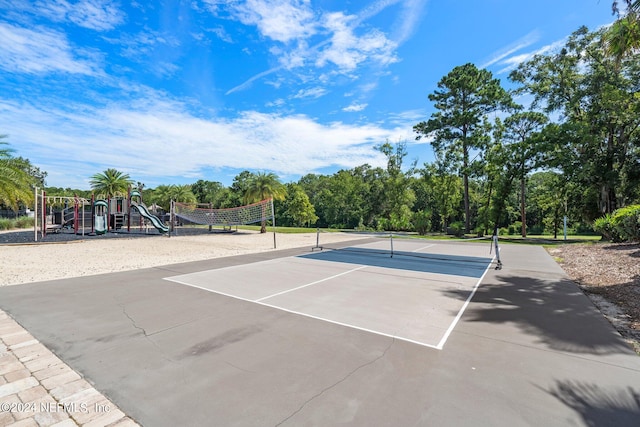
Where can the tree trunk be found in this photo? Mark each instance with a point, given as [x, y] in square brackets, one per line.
[488, 208]
[523, 214]
[465, 174]
[467, 223]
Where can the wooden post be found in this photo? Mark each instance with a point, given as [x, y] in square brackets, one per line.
[35, 216]
[273, 221]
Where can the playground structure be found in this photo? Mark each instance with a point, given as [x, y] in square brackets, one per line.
[119, 213]
[71, 216]
[57, 214]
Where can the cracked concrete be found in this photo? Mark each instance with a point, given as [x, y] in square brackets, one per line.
[346, 377]
[133, 322]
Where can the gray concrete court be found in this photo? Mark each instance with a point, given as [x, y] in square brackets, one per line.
[529, 349]
[403, 296]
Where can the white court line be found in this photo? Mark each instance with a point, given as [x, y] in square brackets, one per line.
[299, 313]
[335, 322]
[424, 247]
[440, 345]
[173, 279]
[312, 283]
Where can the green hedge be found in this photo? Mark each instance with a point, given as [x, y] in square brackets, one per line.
[13, 223]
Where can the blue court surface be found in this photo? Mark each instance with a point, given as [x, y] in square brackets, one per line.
[411, 294]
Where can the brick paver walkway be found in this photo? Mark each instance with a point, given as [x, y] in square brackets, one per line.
[38, 389]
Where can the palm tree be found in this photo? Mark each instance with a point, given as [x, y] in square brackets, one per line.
[163, 194]
[182, 193]
[15, 181]
[622, 39]
[261, 186]
[111, 183]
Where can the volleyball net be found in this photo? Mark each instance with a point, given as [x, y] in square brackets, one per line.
[242, 215]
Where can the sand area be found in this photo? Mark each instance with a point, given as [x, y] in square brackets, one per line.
[28, 262]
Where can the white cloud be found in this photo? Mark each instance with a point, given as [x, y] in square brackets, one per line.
[279, 20]
[408, 20]
[277, 103]
[408, 118]
[156, 137]
[510, 63]
[314, 92]
[514, 47]
[347, 44]
[221, 33]
[508, 57]
[211, 5]
[248, 83]
[164, 69]
[347, 50]
[368, 87]
[98, 15]
[354, 108]
[39, 51]
[137, 47]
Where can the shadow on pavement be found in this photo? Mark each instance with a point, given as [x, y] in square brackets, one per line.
[599, 407]
[556, 311]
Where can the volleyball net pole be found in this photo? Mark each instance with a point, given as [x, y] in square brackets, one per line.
[497, 249]
[35, 216]
[273, 221]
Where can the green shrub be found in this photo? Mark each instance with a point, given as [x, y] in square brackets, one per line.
[456, 228]
[627, 222]
[6, 224]
[23, 222]
[515, 228]
[604, 226]
[422, 222]
[12, 223]
[535, 230]
[583, 228]
[479, 231]
[623, 225]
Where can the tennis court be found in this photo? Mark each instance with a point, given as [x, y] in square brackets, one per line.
[400, 288]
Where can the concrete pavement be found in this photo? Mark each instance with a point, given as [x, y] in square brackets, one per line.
[531, 349]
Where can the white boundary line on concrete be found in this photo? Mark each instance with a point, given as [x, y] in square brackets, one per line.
[259, 301]
[312, 283]
[424, 247]
[335, 322]
[311, 316]
[440, 345]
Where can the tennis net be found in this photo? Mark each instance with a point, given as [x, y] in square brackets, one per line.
[467, 253]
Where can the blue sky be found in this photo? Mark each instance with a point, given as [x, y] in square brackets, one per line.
[175, 91]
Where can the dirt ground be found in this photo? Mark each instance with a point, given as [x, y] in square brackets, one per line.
[609, 273]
